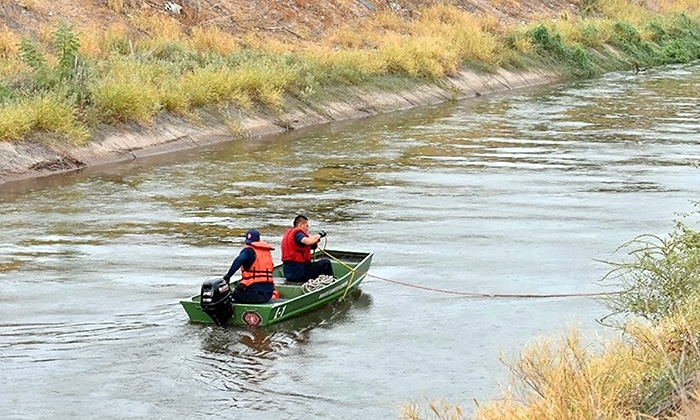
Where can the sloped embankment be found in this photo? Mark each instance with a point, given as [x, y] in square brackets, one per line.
[170, 132]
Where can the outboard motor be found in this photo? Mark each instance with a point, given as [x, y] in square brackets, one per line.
[216, 300]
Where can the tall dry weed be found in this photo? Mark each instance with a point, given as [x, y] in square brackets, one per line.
[50, 112]
[649, 373]
[157, 26]
[213, 39]
[8, 43]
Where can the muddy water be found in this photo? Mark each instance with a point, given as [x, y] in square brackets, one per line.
[506, 194]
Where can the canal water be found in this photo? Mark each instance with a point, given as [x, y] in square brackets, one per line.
[514, 193]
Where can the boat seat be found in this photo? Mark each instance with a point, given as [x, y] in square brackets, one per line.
[277, 300]
[284, 282]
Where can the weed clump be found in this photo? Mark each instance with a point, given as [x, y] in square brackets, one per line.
[552, 48]
[50, 113]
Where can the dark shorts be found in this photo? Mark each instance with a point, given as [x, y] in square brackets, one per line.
[253, 294]
[313, 270]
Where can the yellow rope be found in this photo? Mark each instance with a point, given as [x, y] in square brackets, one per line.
[352, 270]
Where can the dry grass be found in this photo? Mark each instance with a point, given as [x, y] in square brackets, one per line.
[15, 121]
[8, 43]
[127, 92]
[212, 85]
[388, 21]
[173, 71]
[364, 62]
[157, 26]
[11, 67]
[438, 410]
[99, 43]
[45, 112]
[680, 6]
[432, 46]
[213, 39]
[345, 37]
[270, 45]
[626, 10]
[116, 5]
[648, 374]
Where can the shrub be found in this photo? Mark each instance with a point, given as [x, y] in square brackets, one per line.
[45, 112]
[15, 121]
[66, 45]
[128, 91]
[211, 85]
[124, 100]
[54, 113]
[661, 273]
[174, 98]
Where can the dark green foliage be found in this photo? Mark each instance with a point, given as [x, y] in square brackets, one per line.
[30, 54]
[675, 39]
[679, 39]
[552, 48]
[677, 51]
[659, 33]
[583, 62]
[66, 45]
[627, 33]
[628, 40]
[5, 93]
[545, 42]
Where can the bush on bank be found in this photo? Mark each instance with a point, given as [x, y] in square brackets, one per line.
[652, 371]
[131, 73]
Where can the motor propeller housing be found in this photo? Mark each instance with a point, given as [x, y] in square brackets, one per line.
[216, 300]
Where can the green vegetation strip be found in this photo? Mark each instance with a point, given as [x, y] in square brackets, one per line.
[64, 86]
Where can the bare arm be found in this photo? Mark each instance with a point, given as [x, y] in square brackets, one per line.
[311, 240]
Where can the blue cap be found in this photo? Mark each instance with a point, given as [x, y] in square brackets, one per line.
[252, 236]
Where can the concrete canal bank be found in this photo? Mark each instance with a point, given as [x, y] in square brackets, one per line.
[169, 132]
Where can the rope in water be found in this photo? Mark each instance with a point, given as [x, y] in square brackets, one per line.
[493, 295]
[469, 294]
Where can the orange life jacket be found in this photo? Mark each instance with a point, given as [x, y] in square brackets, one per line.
[261, 270]
[291, 251]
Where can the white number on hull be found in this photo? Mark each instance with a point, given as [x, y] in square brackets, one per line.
[279, 312]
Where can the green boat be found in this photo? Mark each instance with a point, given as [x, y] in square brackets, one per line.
[349, 269]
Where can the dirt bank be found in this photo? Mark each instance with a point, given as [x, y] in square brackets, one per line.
[170, 133]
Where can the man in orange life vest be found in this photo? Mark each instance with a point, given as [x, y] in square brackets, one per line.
[255, 261]
[296, 253]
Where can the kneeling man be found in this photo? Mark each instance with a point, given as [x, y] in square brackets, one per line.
[296, 253]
